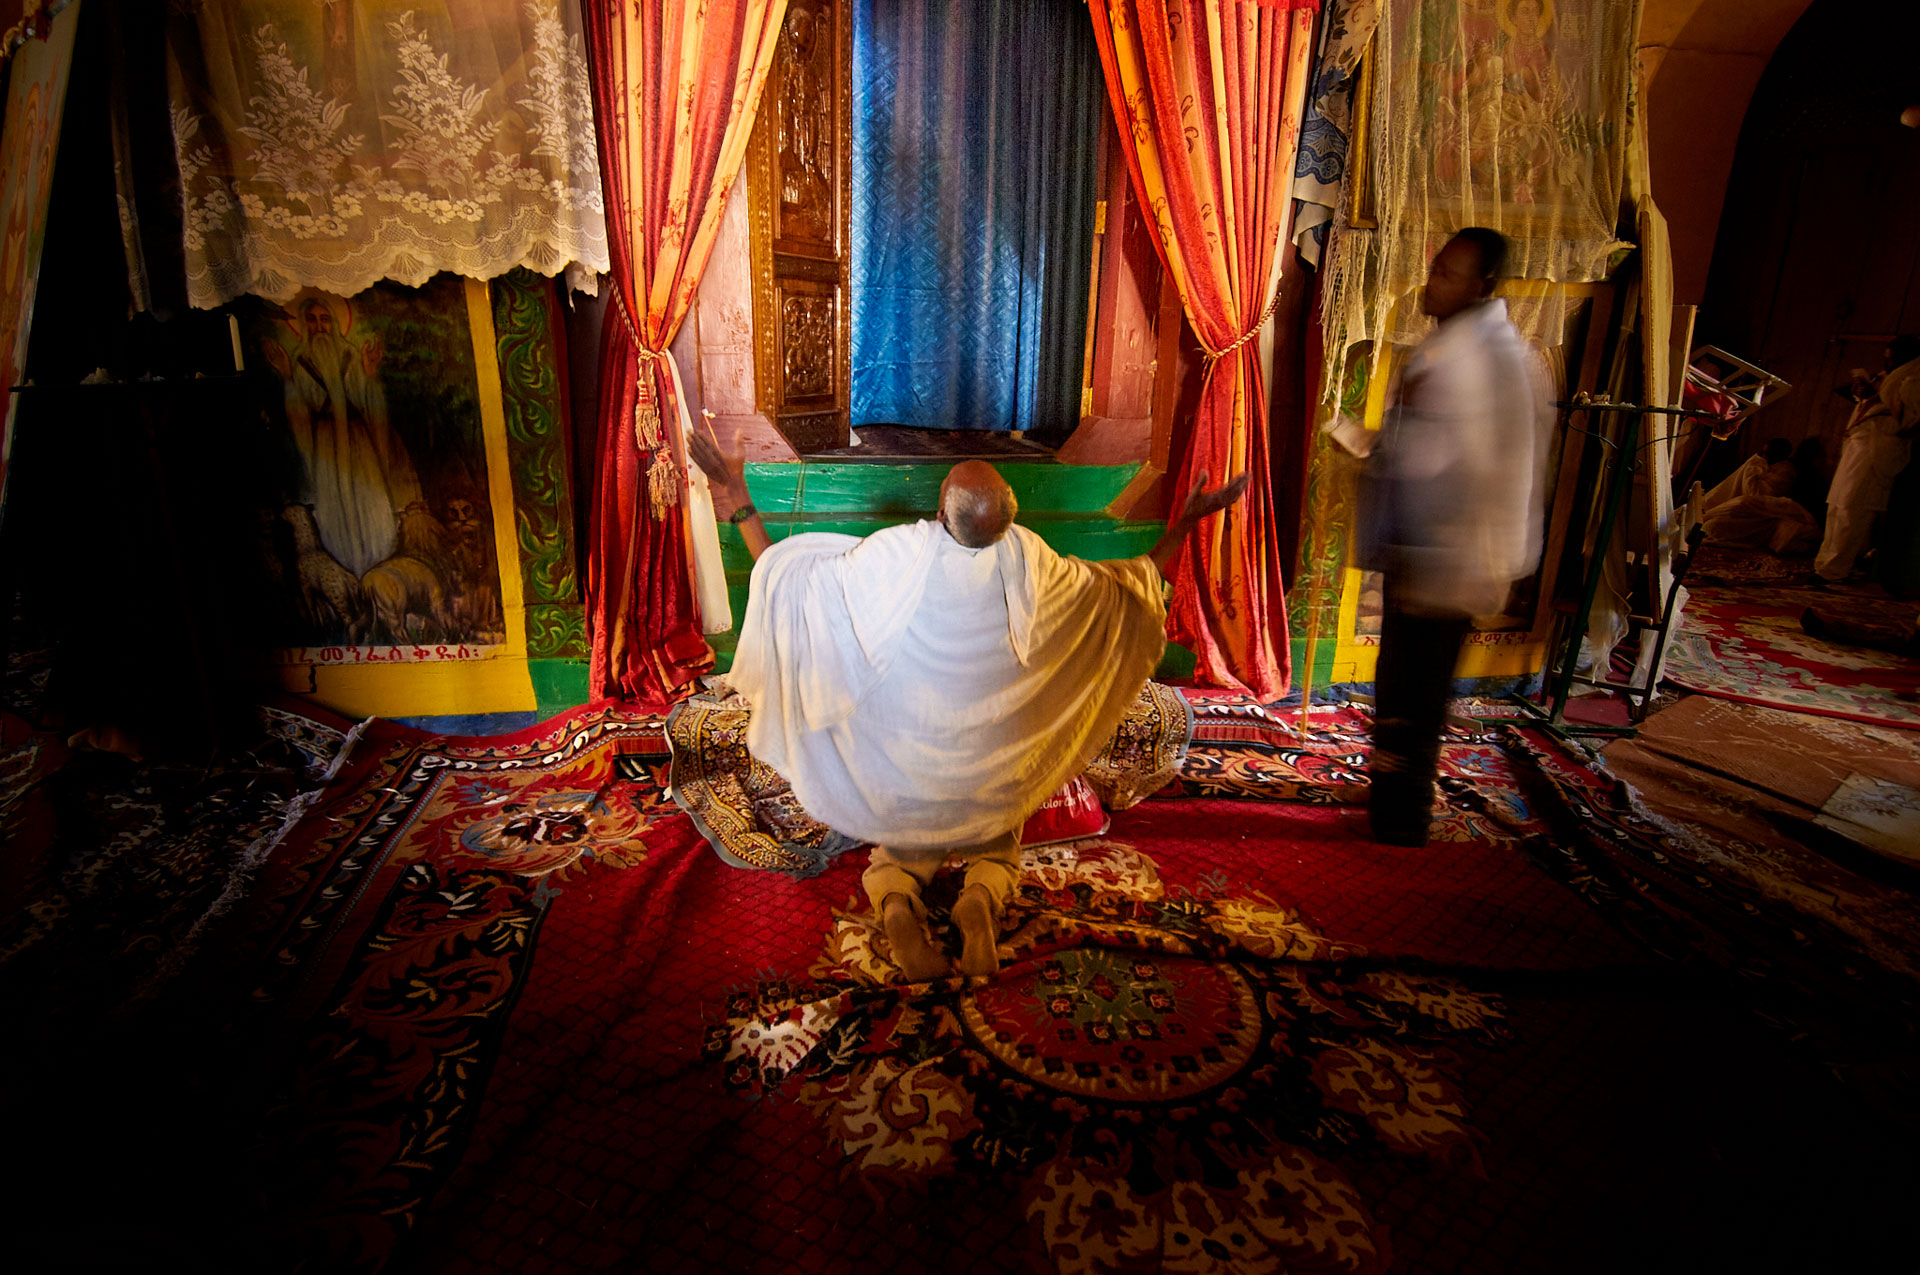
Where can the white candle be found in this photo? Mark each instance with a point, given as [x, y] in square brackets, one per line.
[233, 331]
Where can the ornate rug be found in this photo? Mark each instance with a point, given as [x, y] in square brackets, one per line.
[750, 817]
[1842, 993]
[1247, 750]
[114, 870]
[522, 1019]
[1725, 565]
[116, 879]
[1747, 645]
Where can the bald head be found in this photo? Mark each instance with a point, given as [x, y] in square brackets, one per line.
[976, 505]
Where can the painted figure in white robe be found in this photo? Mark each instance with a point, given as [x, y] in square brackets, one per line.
[359, 478]
[926, 688]
[1750, 509]
[1877, 443]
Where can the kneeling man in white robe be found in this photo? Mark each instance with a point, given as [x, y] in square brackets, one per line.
[926, 688]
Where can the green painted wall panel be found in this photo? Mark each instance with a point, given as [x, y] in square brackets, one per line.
[558, 684]
[905, 491]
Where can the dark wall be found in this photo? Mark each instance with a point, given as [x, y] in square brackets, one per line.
[1817, 262]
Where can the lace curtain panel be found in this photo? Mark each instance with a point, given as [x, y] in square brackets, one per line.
[333, 143]
[1503, 113]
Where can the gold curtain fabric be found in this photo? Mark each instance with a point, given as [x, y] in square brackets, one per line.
[1511, 114]
[677, 83]
[332, 143]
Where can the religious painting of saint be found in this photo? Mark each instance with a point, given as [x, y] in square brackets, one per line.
[383, 542]
[1514, 102]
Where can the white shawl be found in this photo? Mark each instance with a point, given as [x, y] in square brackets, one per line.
[919, 694]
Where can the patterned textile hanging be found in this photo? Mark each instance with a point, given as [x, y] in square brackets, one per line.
[333, 143]
[1207, 95]
[1320, 169]
[1510, 114]
[676, 84]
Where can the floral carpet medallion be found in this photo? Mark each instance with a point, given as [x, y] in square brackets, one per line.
[1175, 1082]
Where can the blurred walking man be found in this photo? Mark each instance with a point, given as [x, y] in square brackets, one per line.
[1452, 515]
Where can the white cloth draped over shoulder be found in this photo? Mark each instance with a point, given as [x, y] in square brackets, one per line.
[919, 694]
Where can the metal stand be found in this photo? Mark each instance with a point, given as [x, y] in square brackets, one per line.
[1743, 382]
[1618, 480]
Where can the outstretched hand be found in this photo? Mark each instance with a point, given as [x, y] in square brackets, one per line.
[728, 473]
[1201, 502]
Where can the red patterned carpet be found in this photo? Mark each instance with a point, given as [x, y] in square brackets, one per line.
[494, 1005]
[513, 1014]
[1746, 644]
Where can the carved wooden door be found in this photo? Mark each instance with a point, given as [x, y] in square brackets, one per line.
[797, 175]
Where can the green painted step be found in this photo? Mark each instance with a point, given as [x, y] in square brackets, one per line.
[905, 491]
[559, 684]
[1083, 537]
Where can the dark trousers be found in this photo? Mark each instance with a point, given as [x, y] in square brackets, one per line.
[1415, 672]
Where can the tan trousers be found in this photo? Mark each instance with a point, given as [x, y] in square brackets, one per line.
[1849, 532]
[993, 865]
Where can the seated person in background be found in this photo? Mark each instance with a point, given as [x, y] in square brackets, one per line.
[926, 688]
[1752, 510]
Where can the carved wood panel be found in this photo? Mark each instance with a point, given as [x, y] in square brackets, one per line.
[809, 321]
[797, 175]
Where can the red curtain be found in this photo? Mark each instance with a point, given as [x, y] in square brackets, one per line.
[675, 87]
[1208, 97]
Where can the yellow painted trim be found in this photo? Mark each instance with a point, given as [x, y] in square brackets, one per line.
[1494, 653]
[493, 430]
[1385, 364]
[497, 682]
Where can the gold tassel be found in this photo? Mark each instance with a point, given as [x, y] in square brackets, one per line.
[663, 483]
[646, 413]
[663, 476]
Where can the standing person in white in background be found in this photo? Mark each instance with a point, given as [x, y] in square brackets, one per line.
[1875, 450]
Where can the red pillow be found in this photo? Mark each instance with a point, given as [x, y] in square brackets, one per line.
[1070, 814]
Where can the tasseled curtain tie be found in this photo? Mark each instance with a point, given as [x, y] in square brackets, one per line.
[649, 435]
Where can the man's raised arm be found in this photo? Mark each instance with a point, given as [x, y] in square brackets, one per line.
[1200, 503]
[727, 475]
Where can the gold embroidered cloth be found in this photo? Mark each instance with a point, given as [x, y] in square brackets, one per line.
[752, 819]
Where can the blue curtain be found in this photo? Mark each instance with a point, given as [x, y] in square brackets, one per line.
[975, 130]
